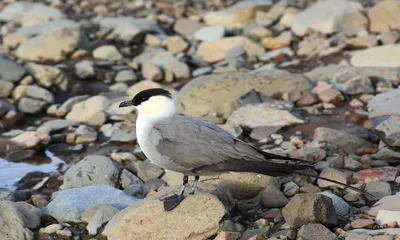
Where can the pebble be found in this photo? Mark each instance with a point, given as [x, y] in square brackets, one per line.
[125, 76]
[314, 208]
[107, 172]
[362, 223]
[69, 205]
[176, 44]
[107, 52]
[51, 228]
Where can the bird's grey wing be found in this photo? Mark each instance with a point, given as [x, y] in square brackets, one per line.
[195, 143]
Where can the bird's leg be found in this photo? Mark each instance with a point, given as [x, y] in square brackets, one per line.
[196, 180]
[173, 201]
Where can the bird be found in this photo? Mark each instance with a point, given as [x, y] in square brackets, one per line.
[196, 147]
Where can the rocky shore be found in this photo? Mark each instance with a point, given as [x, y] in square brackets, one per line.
[311, 79]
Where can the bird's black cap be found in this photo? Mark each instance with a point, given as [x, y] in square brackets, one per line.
[144, 96]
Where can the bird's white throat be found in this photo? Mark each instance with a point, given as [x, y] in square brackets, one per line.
[150, 112]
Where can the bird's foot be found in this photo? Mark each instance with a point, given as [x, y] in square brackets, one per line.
[172, 202]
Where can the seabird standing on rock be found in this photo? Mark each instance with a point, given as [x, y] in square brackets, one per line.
[196, 147]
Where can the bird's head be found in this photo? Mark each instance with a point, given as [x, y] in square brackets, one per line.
[154, 101]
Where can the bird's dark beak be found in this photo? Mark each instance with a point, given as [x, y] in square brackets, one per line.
[126, 104]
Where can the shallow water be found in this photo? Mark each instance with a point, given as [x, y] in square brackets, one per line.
[12, 172]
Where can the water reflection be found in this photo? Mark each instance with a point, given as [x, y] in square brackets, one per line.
[12, 172]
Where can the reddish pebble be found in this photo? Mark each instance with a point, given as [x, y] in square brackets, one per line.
[367, 150]
[386, 174]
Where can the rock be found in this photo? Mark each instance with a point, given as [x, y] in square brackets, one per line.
[331, 137]
[151, 72]
[312, 45]
[327, 93]
[45, 75]
[10, 70]
[85, 69]
[389, 203]
[187, 27]
[224, 17]
[27, 13]
[58, 124]
[323, 73]
[245, 11]
[123, 134]
[84, 135]
[389, 37]
[310, 154]
[272, 197]
[118, 87]
[128, 178]
[125, 76]
[254, 234]
[377, 73]
[52, 228]
[281, 41]
[22, 34]
[100, 216]
[107, 52]
[362, 223]
[309, 208]
[69, 205]
[50, 46]
[384, 115]
[315, 231]
[91, 170]
[180, 70]
[352, 23]
[17, 219]
[67, 105]
[290, 189]
[341, 207]
[158, 57]
[216, 50]
[225, 235]
[357, 85]
[90, 111]
[146, 170]
[28, 139]
[333, 174]
[362, 42]
[378, 190]
[262, 115]
[385, 217]
[33, 92]
[352, 164]
[377, 56]
[6, 89]
[241, 185]
[5, 108]
[209, 93]
[322, 16]
[383, 16]
[177, 224]
[386, 174]
[210, 33]
[176, 44]
[127, 28]
[140, 86]
[201, 71]
[31, 106]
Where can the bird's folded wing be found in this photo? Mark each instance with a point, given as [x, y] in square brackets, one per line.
[195, 143]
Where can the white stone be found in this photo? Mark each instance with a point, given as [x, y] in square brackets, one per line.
[381, 56]
[322, 16]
